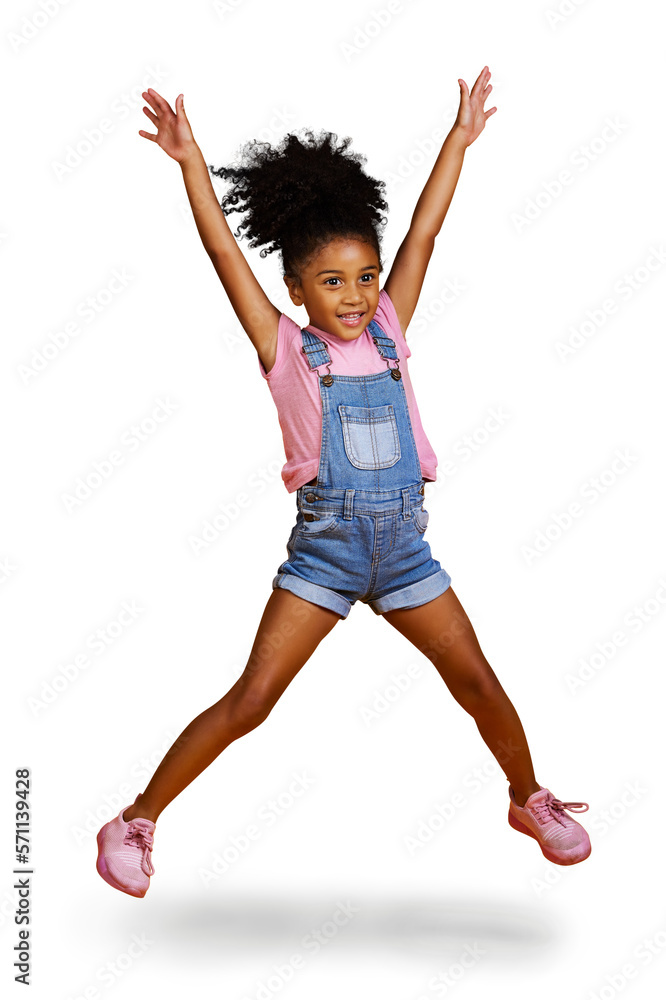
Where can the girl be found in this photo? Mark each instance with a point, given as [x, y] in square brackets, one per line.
[357, 454]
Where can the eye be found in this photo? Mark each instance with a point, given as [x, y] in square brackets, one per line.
[370, 276]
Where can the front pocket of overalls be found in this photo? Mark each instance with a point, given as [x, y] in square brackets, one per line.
[324, 522]
[370, 435]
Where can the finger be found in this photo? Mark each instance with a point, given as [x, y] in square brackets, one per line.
[489, 113]
[154, 119]
[463, 87]
[475, 85]
[148, 135]
[482, 78]
[146, 96]
[154, 97]
[159, 101]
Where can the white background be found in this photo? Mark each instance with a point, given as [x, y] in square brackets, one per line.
[254, 68]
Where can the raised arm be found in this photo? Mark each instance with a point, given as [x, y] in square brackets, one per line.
[256, 313]
[406, 276]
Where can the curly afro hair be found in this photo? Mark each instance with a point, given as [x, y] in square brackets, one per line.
[300, 195]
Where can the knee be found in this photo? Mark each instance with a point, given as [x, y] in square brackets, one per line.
[249, 708]
[480, 691]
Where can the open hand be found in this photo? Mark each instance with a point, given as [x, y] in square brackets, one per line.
[471, 116]
[174, 134]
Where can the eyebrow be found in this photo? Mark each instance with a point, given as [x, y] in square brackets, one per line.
[331, 271]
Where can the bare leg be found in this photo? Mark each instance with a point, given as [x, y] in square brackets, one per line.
[299, 626]
[442, 631]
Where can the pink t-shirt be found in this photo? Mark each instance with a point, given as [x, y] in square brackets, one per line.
[295, 390]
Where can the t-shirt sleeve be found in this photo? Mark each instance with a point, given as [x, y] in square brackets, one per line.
[285, 336]
[387, 318]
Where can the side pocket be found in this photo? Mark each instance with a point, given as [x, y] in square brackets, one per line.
[421, 517]
[324, 522]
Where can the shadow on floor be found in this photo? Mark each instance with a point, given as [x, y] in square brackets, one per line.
[419, 924]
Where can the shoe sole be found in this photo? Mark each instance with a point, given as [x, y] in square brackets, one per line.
[547, 853]
[106, 874]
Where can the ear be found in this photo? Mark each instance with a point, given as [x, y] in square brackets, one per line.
[294, 290]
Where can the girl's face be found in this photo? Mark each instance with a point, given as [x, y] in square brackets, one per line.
[342, 279]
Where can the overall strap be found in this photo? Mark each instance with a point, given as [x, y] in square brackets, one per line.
[316, 352]
[386, 348]
[384, 344]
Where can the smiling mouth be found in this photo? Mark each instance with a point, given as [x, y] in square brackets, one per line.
[351, 319]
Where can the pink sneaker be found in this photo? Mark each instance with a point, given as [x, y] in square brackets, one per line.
[124, 854]
[561, 839]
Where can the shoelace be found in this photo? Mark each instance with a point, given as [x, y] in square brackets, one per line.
[139, 835]
[554, 808]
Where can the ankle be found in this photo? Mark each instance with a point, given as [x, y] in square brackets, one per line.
[522, 797]
[139, 810]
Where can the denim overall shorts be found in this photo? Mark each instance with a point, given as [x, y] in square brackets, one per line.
[359, 531]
